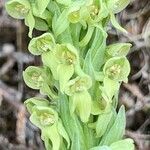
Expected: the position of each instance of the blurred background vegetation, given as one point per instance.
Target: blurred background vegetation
(17, 133)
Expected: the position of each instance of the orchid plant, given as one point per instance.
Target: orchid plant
(80, 76)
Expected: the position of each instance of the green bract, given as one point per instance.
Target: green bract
(118, 49)
(80, 75)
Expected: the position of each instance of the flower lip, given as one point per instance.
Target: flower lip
(47, 119)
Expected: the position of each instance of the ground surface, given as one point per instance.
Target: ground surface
(17, 133)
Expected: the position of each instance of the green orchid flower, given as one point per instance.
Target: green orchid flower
(79, 97)
(63, 62)
(117, 68)
(51, 126)
(21, 9)
(39, 78)
(83, 11)
(42, 44)
(18, 9)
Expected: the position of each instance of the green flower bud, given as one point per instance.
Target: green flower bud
(18, 8)
(42, 44)
(117, 68)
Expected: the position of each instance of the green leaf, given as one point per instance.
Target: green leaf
(117, 5)
(87, 37)
(116, 24)
(127, 144)
(41, 5)
(71, 124)
(61, 23)
(40, 24)
(117, 130)
(88, 66)
(98, 57)
(18, 9)
(42, 44)
(63, 133)
(102, 123)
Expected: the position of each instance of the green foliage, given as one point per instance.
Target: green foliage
(80, 75)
